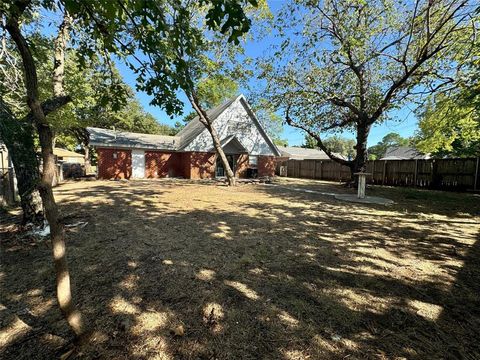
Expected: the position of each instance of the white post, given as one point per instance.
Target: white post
(361, 186)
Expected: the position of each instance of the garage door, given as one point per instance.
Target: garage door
(138, 164)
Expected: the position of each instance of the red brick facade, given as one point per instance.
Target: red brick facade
(114, 163)
(266, 166)
(160, 164)
(241, 165)
(199, 165)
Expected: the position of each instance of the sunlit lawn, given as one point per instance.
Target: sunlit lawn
(253, 272)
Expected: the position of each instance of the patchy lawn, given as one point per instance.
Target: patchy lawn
(253, 272)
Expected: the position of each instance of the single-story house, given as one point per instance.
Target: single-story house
(299, 153)
(189, 154)
(403, 153)
(68, 156)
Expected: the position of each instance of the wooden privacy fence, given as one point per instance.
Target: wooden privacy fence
(444, 174)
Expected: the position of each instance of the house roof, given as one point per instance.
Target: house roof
(113, 138)
(299, 153)
(403, 153)
(231, 145)
(66, 153)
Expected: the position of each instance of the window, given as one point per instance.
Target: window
(253, 160)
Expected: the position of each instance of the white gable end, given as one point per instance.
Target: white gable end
(234, 121)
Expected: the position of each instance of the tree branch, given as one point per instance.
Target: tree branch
(322, 146)
(50, 105)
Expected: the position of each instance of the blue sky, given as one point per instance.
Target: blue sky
(405, 121)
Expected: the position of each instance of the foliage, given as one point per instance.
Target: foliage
(345, 65)
(449, 124)
(310, 142)
(213, 91)
(163, 42)
(269, 119)
(391, 139)
(100, 96)
(446, 128)
(341, 145)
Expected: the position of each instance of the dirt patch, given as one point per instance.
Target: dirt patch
(181, 270)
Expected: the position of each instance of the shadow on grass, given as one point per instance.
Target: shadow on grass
(268, 280)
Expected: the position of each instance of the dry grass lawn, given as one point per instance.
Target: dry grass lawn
(253, 272)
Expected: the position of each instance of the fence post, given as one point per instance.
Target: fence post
(384, 171)
(321, 170)
(415, 173)
(434, 174)
(475, 184)
(373, 171)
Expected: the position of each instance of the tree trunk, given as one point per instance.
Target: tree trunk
(38, 114)
(360, 161)
(57, 232)
(18, 138)
(86, 158)
(205, 120)
(218, 148)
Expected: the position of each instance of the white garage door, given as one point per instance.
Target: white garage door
(138, 164)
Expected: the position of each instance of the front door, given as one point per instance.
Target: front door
(138, 164)
(220, 168)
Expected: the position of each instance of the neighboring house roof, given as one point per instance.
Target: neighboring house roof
(299, 153)
(403, 153)
(66, 153)
(235, 122)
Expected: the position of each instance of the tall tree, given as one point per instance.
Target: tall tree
(38, 113)
(152, 28)
(449, 124)
(350, 63)
(449, 127)
(17, 133)
(391, 139)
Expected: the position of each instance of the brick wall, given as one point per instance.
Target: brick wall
(266, 165)
(241, 165)
(110, 167)
(202, 165)
(190, 165)
(160, 164)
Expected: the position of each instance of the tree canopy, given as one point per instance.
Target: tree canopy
(345, 65)
(449, 123)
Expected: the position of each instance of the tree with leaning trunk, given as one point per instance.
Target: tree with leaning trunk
(17, 133)
(38, 115)
(345, 65)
